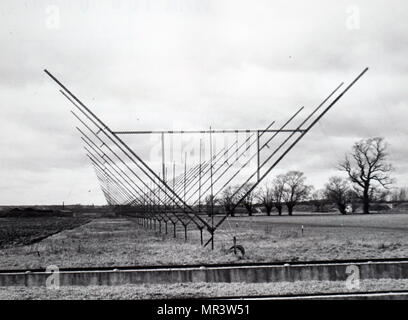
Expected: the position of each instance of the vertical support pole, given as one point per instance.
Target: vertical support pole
(174, 180)
(199, 181)
(184, 187)
(151, 205)
(174, 207)
(164, 202)
(185, 176)
(157, 201)
(147, 201)
(212, 192)
(258, 156)
(171, 148)
(158, 207)
(163, 158)
(199, 190)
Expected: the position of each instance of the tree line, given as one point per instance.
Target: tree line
(367, 178)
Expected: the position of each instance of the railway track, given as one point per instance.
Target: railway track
(213, 273)
(214, 265)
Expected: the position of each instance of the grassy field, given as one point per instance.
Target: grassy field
(110, 242)
(121, 241)
(197, 290)
(24, 231)
(373, 221)
(103, 242)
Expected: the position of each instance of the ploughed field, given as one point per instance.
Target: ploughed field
(23, 231)
(122, 242)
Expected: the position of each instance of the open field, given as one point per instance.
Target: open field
(103, 242)
(121, 242)
(110, 242)
(197, 290)
(324, 237)
(24, 231)
(383, 221)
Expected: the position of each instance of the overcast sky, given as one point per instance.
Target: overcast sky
(191, 64)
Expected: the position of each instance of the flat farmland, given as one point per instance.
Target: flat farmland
(372, 221)
(322, 237)
(23, 231)
(122, 242)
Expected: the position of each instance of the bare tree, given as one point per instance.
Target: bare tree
(229, 199)
(210, 202)
(381, 195)
(278, 189)
(339, 191)
(399, 194)
(265, 196)
(318, 199)
(295, 189)
(248, 201)
(368, 169)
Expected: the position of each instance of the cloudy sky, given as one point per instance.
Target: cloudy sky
(191, 64)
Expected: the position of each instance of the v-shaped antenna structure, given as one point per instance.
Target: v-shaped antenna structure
(157, 195)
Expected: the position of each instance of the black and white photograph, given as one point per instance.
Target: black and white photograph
(223, 151)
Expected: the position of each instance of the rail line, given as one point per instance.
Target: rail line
(215, 265)
(214, 273)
